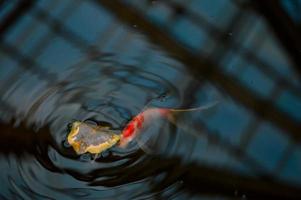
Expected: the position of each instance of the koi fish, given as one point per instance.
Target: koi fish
(146, 117)
(140, 122)
(84, 137)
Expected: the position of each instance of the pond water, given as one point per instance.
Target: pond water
(63, 62)
(107, 92)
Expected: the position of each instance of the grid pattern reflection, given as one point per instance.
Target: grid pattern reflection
(226, 44)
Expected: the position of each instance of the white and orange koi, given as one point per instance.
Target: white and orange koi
(146, 117)
(140, 122)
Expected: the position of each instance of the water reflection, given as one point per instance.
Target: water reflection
(57, 66)
(45, 166)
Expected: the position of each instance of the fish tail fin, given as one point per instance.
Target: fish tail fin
(200, 108)
(173, 114)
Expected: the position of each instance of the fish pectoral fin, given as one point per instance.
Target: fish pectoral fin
(95, 157)
(144, 147)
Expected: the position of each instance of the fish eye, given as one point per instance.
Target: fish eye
(69, 126)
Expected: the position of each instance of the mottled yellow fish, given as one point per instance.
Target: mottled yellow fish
(84, 138)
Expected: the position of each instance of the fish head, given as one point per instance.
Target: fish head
(86, 138)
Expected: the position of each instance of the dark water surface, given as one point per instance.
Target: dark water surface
(103, 91)
(62, 61)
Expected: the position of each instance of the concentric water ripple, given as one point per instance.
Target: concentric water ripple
(106, 92)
